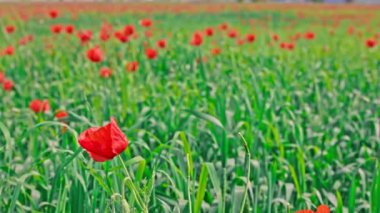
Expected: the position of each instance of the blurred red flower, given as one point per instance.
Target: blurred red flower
(8, 85)
(197, 39)
(232, 34)
(39, 106)
(250, 38)
(95, 54)
(309, 35)
(53, 14)
(69, 29)
(57, 28)
(105, 72)
(2, 77)
(370, 43)
(9, 50)
(132, 66)
(161, 43)
(146, 22)
(320, 209)
(209, 31)
(216, 51)
(84, 36)
(10, 29)
(275, 37)
(151, 53)
(129, 30)
(61, 115)
(223, 26)
(103, 143)
(119, 35)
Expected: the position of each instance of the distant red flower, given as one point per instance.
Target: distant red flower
(275, 37)
(148, 33)
(39, 106)
(61, 115)
(105, 72)
(9, 50)
(84, 36)
(309, 35)
(197, 39)
(209, 31)
(24, 40)
(69, 29)
(119, 35)
(151, 53)
(240, 42)
(103, 143)
(2, 77)
(146, 22)
(370, 43)
(290, 46)
(232, 34)
(161, 43)
(8, 85)
(104, 35)
(10, 29)
(95, 54)
(223, 26)
(250, 38)
(53, 14)
(283, 45)
(57, 28)
(132, 66)
(216, 51)
(129, 30)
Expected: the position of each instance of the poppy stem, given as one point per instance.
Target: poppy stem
(133, 187)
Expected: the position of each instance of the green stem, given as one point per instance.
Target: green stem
(132, 185)
(248, 169)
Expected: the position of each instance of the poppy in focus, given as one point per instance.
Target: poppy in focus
(103, 143)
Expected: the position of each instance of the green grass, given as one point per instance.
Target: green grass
(255, 129)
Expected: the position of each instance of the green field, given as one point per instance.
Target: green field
(256, 128)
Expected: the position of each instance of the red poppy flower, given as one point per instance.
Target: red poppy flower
(146, 22)
(95, 54)
(209, 31)
(2, 77)
(7, 85)
(323, 209)
(275, 37)
(84, 36)
(123, 38)
(103, 143)
(151, 53)
(39, 106)
(9, 50)
(104, 35)
(197, 39)
(309, 35)
(232, 34)
(320, 209)
(10, 29)
(223, 26)
(105, 72)
(250, 38)
(56, 28)
(161, 43)
(290, 46)
(216, 51)
(26, 39)
(283, 45)
(148, 33)
(132, 66)
(129, 30)
(370, 43)
(61, 115)
(53, 14)
(69, 29)
(239, 42)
